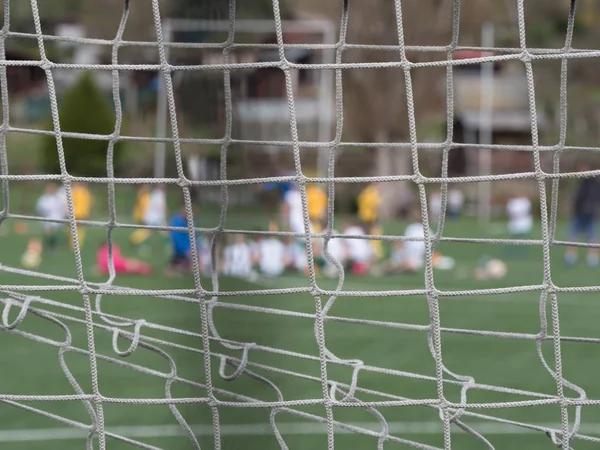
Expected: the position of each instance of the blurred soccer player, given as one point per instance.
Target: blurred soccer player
(272, 255)
(143, 198)
(82, 204)
(293, 219)
(292, 212)
(359, 250)
(237, 258)
(520, 220)
(317, 205)
(435, 206)
(155, 213)
(51, 207)
(456, 201)
(369, 202)
(337, 250)
(584, 214)
(122, 265)
(409, 256)
(181, 244)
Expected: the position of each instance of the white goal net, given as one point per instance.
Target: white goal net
(226, 364)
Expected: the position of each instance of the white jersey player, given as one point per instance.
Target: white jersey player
(435, 206)
(51, 207)
(237, 259)
(413, 252)
(359, 250)
(520, 220)
(409, 256)
(337, 249)
(156, 210)
(292, 210)
(272, 257)
(456, 200)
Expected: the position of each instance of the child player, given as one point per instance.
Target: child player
(520, 220)
(369, 203)
(82, 204)
(51, 207)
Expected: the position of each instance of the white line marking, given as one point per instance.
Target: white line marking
(264, 429)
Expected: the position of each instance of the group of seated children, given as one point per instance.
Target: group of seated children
(355, 252)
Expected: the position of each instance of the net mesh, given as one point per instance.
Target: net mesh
(334, 394)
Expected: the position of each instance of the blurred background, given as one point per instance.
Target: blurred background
(374, 101)
(362, 109)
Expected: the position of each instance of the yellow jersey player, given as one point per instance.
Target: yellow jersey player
(369, 201)
(317, 205)
(82, 205)
(140, 235)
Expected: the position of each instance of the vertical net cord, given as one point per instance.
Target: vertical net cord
(549, 289)
(184, 183)
(216, 237)
(4, 211)
(21, 300)
(98, 419)
(449, 117)
(334, 148)
(301, 181)
(110, 169)
(432, 294)
(554, 202)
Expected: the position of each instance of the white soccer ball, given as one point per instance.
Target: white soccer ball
(496, 268)
(31, 260)
(253, 277)
(445, 263)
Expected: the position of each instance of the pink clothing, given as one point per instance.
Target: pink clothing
(119, 262)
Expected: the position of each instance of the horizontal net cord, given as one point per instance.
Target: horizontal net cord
(309, 46)
(152, 340)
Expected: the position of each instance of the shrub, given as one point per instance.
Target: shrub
(83, 109)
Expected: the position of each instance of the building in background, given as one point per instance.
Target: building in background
(511, 117)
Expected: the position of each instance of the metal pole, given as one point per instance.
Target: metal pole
(162, 112)
(486, 126)
(325, 99)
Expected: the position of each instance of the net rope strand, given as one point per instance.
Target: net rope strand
(19, 302)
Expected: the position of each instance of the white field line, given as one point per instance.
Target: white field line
(264, 429)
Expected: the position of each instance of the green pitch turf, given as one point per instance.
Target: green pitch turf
(34, 368)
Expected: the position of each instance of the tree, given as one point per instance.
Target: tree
(376, 101)
(375, 105)
(83, 109)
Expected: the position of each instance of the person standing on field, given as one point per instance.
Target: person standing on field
(140, 235)
(584, 214)
(51, 207)
(83, 201)
(520, 223)
(369, 202)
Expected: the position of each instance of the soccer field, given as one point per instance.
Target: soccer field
(31, 367)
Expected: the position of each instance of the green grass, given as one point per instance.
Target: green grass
(34, 368)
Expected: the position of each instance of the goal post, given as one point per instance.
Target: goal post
(321, 105)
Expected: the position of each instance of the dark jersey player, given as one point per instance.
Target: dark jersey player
(584, 217)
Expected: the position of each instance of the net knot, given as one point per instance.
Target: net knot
(46, 65)
(6, 325)
(135, 340)
(183, 182)
(348, 396)
(241, 366)
(526, 57)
